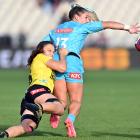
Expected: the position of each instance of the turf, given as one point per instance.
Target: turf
(110, 110)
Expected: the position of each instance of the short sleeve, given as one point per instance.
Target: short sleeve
(91, 27)
(43, 58)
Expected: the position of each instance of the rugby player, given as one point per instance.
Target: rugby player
(71, 35)
(39, 98)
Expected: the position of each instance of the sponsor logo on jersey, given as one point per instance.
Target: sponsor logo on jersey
(37, 91)
(75, 75)
(65, 30)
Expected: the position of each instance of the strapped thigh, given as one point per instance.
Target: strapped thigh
(52, 100)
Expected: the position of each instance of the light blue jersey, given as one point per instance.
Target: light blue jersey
(72, 35)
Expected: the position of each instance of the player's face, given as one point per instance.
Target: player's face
(84, 17)
(48, 50)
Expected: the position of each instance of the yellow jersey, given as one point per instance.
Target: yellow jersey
(40, 74)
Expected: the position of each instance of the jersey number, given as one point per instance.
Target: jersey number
(63, 42)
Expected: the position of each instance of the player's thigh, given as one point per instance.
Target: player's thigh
(75, 91)
(43, 98)
(60, 90)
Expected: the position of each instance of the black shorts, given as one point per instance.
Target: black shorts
(32, 93)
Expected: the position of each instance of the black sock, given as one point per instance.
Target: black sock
(4, 134)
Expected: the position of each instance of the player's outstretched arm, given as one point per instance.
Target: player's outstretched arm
(132, 29)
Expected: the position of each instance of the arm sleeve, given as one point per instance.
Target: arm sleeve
(91, 27)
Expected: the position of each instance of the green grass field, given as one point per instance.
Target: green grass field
(110, 111)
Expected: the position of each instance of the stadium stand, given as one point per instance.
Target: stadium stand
(18, 16)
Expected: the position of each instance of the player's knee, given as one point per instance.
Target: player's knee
(64, 103)
(59, 109)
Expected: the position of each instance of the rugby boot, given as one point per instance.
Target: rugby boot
(54, 120)
(70, 128)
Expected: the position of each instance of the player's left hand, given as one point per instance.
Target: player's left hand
(134, 29)
(63, 51)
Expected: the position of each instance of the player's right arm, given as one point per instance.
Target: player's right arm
(61, 64)
(133, 29)
(96, 26)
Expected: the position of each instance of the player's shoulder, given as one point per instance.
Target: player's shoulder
(92, 23)
(41, 56)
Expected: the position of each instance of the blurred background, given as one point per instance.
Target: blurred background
(23, 23)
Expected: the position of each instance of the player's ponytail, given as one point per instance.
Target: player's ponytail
(37, 50)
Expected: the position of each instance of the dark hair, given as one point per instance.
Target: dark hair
(76, 11)
(39, 49)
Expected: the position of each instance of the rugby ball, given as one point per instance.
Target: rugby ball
(137, 44)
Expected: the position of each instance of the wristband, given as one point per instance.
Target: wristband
(126, 27)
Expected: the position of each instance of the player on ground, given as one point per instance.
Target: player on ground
(71, 35)
(38, 98)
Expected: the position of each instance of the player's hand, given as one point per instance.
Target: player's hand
(134, 29)
(63, 52)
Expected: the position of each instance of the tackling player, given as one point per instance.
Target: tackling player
(38, 98)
